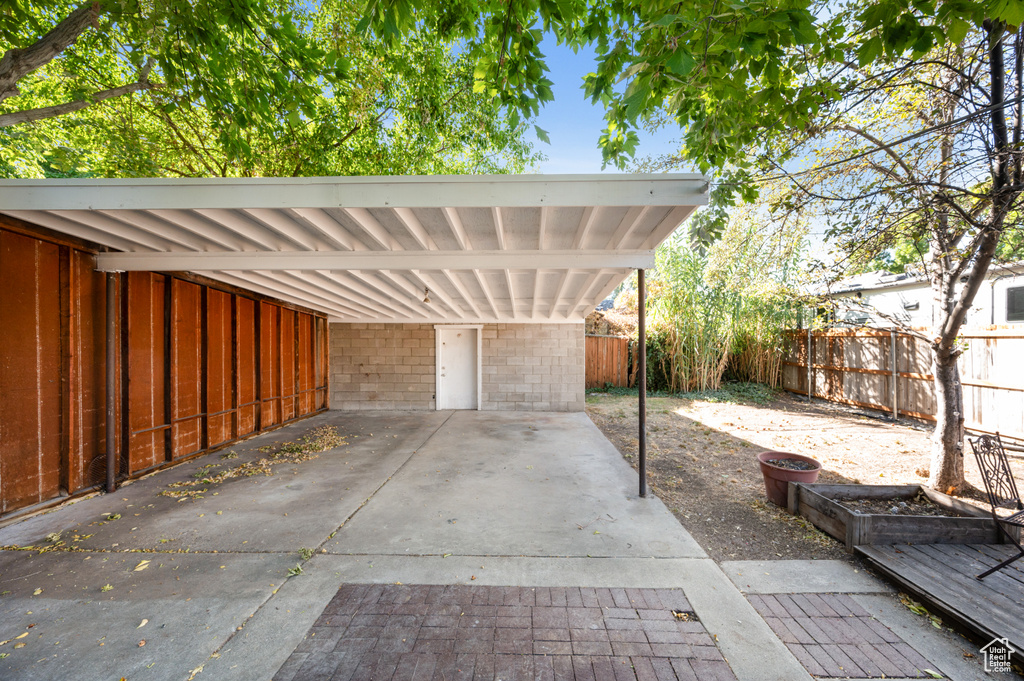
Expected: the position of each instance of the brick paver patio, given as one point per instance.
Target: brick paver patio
(832, 636)
(459, 632)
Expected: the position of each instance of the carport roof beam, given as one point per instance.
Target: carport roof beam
(276, 261)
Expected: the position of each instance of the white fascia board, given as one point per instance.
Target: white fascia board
(468, 322)
(372, 260)
(423, 191)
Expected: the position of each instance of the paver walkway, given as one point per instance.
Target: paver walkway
(477, 632)
(833, 636)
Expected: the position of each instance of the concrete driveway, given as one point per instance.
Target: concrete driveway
(151, 587)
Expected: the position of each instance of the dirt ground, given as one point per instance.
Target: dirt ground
(702, 463)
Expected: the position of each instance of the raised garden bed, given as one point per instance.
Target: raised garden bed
(891, 514)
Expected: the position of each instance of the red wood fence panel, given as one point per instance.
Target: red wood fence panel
(247, 347)
(186, 369)
(220, 392)
(607, 359)
(85, 388)
(30, 371)
(148, 421)
(198, 367)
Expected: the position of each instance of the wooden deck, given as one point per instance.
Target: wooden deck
(941, 577)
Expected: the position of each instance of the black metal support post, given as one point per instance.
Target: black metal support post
(641, 303)
(111, 397)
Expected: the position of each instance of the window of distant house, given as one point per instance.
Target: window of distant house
(1015, 304)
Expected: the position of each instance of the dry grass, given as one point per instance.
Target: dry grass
(702, 464)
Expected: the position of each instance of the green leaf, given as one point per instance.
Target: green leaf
(869, 51)
(1012, 12)
(542, 134)
(957, 30)
(681, 62)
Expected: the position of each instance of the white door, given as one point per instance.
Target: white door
(456, 368)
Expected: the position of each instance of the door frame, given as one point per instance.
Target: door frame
(479, 361)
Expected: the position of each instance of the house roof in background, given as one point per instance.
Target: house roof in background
(878, 281)
(522, 248)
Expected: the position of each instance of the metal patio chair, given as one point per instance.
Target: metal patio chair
(1001, 490)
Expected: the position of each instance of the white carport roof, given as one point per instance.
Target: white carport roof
(522, 248)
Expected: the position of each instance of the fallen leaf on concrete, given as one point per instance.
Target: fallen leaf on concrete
(142, 643)
(141, 566)
(37, 592)
(21, 636)
(142, 624)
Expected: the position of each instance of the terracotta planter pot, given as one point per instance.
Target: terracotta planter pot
(777, 479)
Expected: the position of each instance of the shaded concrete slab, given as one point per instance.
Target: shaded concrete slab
(78, 630)
(801, 576)
(298, 506)
(507, 484)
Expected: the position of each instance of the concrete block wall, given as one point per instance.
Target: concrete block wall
(382, 366)
(524, 367)
(533, 367)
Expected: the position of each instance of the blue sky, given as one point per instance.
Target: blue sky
(574, 124)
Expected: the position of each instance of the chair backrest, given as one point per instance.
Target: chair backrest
(995, 472)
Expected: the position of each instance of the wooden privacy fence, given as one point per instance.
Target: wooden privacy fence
(607, 361)
(198, 365)
(891, 371)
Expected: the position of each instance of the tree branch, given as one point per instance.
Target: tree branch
(31, 115)
(882, 146)
(19, 62)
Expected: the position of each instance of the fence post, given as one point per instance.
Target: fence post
(810, 363)
(895, 377)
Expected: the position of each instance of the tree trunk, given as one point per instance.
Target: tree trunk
(947, 466)
(18, 62)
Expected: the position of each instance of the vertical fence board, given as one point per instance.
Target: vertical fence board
(323, 370)
(87, 377)
(186, 352)
(306, 362)
(286, 363)
(147, 381)
(30, 371)
(219, 370)
(248, 399)
(270, 365)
